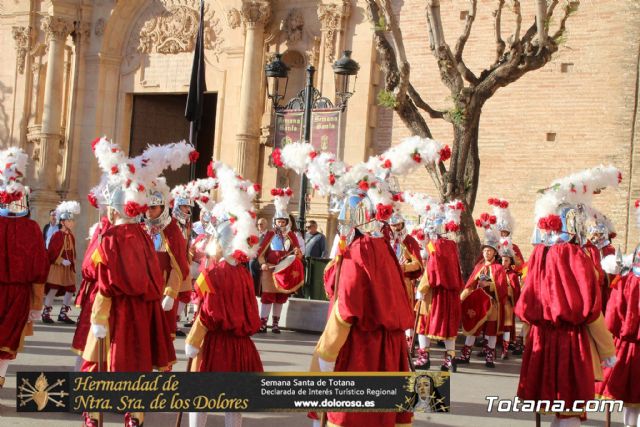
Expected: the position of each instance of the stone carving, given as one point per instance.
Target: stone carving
(331, 16)
(175, 29)
(255, 12)
(99, 29)
(22, 37)
(233, 18)
(313, 54)
(82, 32)
(293, 25)
(56, 28)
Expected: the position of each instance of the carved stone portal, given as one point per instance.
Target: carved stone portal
(332, 16)
(22, 37)
(175, 31)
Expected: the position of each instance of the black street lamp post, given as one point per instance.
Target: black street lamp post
(277, 73)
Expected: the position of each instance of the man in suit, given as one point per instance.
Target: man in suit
(51, 227)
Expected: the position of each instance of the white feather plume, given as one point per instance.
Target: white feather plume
(13, 165)
(68, 206)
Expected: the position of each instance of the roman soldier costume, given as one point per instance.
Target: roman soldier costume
(170, 248)
(127, 316)
(88, 289)
(484, 296)
(623, 320)
(567, 340)
(440, 286)
(505, 225)
(220, 339)
(508, 256)
(62, 256)
(369, 309)
(24, 264)
(600, 232)
(278, 244)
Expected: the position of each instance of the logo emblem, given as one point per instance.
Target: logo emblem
(41, 393)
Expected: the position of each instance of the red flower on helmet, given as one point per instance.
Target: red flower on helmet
(416, 157)
(204, 199)
(193, 156)
(210, 172)
(277, 192)
(93, 200)
(363, 185)
(94, 143)
(460, 206)
(419, 234)
(132, 209)
(233, 219)
(550, 223)
(132, 168)
(637, 203)
(313, 154)
(128, 183)
(252, 214)
(383, 212)
(276, 157)
(478, 223)
(387, 164)
(332, 179)
(253, 240)
(114, 170)
(445, 153)
(257, 188)
(240, 256)
(452, 227)
(140, 188)
(288, 192)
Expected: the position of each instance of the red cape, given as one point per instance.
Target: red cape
(443, 265)
(23, 256)
(56, 245)
(177, 245)
(129, 265)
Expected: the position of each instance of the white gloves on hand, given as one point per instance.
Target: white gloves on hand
(66, 262)
(191, 351)
(99, 331)
(609, 362)
(34, 315)
(326, 366)
(167, 303)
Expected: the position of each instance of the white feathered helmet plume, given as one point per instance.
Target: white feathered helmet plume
(452, 215)
(281, 197)
(200, 191)
(365, 185)
(233, 218)
(504, 219)
(13, 194)
(560, 211)
(67, 210)
(128, 180)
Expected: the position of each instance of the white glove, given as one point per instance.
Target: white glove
(99, 331)
(34, 315)
(609, 362)
(191, 351)
(326, 366)
(66, 262)
(167, 303)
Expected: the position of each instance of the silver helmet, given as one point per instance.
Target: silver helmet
(178, 214)
(357, 212)
(17, 208)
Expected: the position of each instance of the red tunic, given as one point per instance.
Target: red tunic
(273, 257)
(623, 320)
(230, 314)
(371, 296)
(608, 278)
(88, 290)
(513, 279)
(62, 246)
(492, 327)
(130, 275)
(23, 262)
(519, 259)
(559, 298)
(412, 246)
(445, 282)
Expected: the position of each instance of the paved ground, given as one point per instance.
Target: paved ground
(48, 350)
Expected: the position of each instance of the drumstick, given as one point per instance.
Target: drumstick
(179, 416)
(100, 362)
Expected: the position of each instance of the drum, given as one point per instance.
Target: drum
(475, 310)
(288, 275)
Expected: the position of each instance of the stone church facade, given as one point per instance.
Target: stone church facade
(73, 70)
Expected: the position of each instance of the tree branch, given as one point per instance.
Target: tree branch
(449, 72)
(462, 40)
(518, 12)
(569, 9)
(541, 22)
(420, 103)
(497, 14)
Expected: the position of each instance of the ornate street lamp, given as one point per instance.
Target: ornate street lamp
(277, 73)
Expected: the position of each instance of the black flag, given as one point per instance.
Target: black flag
(197, 87)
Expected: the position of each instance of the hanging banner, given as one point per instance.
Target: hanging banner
(288, 127)
(325, 128)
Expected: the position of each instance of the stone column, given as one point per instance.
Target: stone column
(255, 15)
(49, 139)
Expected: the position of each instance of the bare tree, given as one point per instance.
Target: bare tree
(520, 54)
